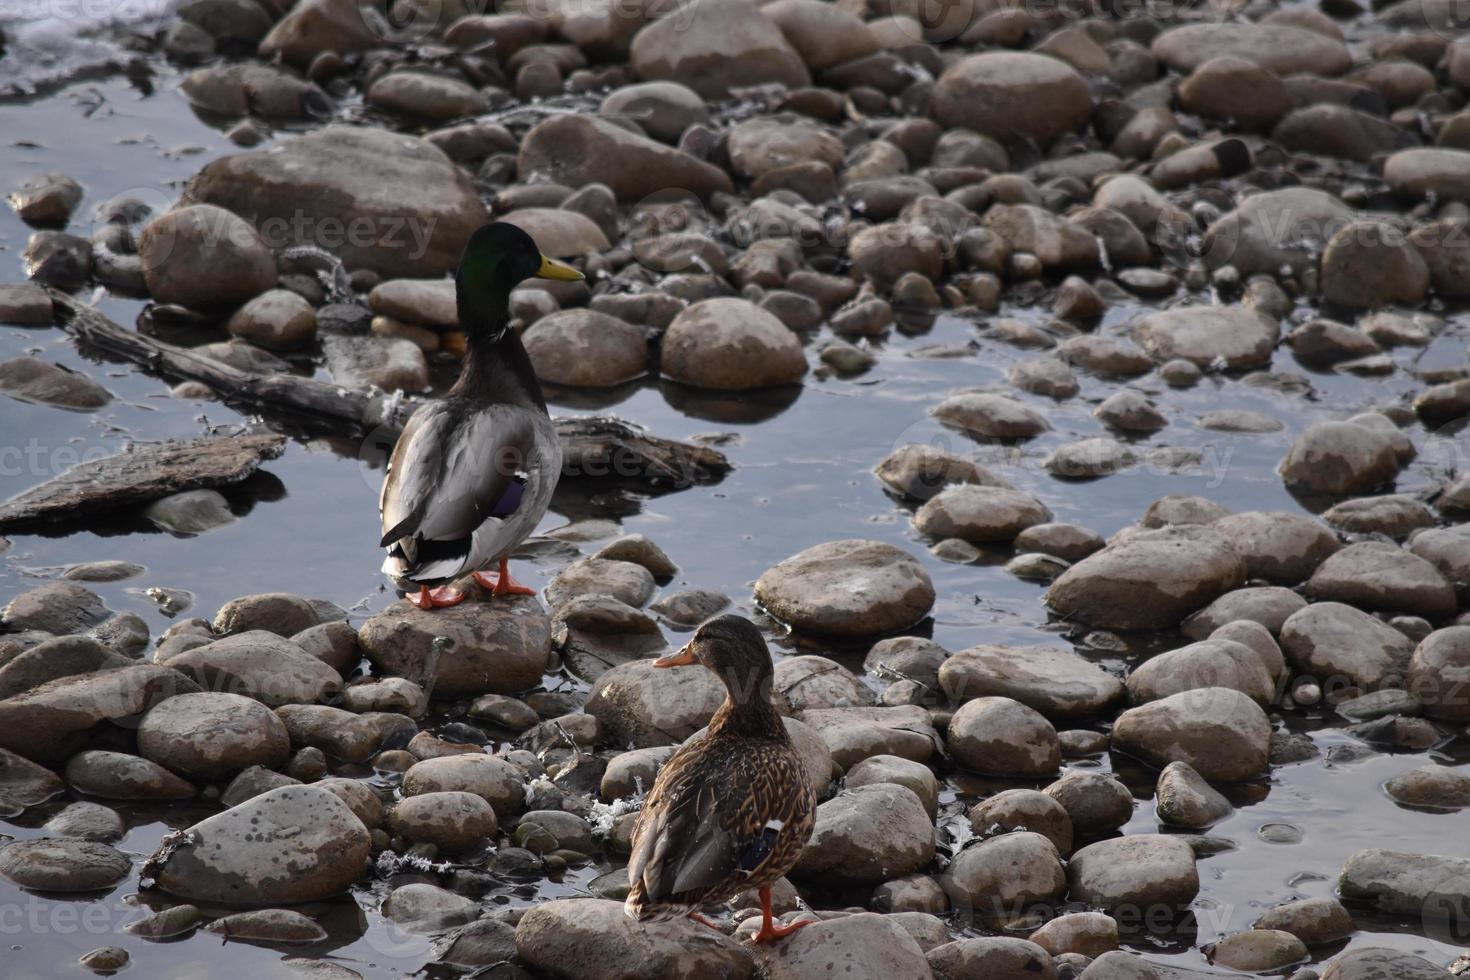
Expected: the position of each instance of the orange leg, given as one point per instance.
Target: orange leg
(769, 930)
(504, 584)
(705, 922)
(427, 598)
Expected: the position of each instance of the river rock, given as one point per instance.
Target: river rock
(259, 665)
(1279, 48)
(1430, 787)
(663, 109)
(204, 257)
(1003, 737)
(1235, 90)
(855, 734)
(1279, 547)
(1208, 663)
(868, 835)
(268, 926)
(1149, 580)
(586, 349)
(276, 320)
(24, 784)
(118, 776)
(340, 734)
(289, 845)
(87, 821)
(312, 27)
(991, 416)
(1186, 800)
(1001, 879)
(730, 344)
(1258, 950)
(817, 682)
(1275, 229)
(851, 588)
(980, 514)
(1014, 97)
(497, 781)
(1141, 871)
(206, 736)
(1380, 575)
(451, 821)
(1315, 921)
(1372, 962)
(1429, 172)
(1025, 810)
(1340, 458)
(1439, 674)
(60, 656)
(893, 769)
(1212, 337)
(1270, 606)
(425, 96)
(63, 864)
(1221, 733)
(387, 201)
(559, 232)
(642, 706)
(592, 939)
(1369, 264)
(57, 607)
(499, 647)
(424, 908)
(50, 722)
(1097, 803)
(33, 380)
(863, 946)
(576, 150)
(767, 143)
(1056, 682)
(735, 46)
(1338, 644)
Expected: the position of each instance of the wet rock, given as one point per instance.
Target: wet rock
(118, 776)
(730, 344)
(251, 782)
(575, 150)
(61, 656)
(105, 959)
(991, 416)
(849, 588)
(884, 254)
(421, 208)
(57, 607)
(497, 781)
(1055, 242)
(1024, 810)
(204, 257)
(1206, 664)
(63, 864)
(891, 769)
(499, 647)
(628, 583)
(484, 942)
(1439, 674)
(734, 47)
(1275, 229)
(1090, 934)
(1269, 605)
(690, 607)
(642, 706)
(1423, 172)
(259, 665)
(1368, 963)
(1328, 342)
(586, 349)
(1258, 950)
(425, 908)
(1279, 48)
(1235, 90)
(34, 380)
(1315, 921)
(206, 736)
(906, 658)
(866, 835)
(556, 937)
(340, 734)
(24, 784)
(1130, 412)
(663, 109)
(1139, 871)
(1150, 580)
(293, 844)
(1089, 459)
(1394, 515)
(435, 98)
(1003, 737)
(46, 199)
(24, 303)
(1097, 803)
(1044, 376)
(268, 925)
(1379, 575)
(855, 734)
(451, 821)
(817, 682)
(1014, 97)
(191, 512)
(863, 946)
(1340, 458)
(1213, 337)
(559, 232)
(980, 514)
(1058, 683)
(1186, 800)
(50, 722)
(316, 26)
(276, 320)
(1221, 733)
(995, 957)
(1369, 264)
(1430, 787)
(58, 259)
(1001, 878)
(639, 550)
(1278, 546)
(761, 145)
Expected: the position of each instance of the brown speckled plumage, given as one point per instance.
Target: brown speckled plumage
(731, 810)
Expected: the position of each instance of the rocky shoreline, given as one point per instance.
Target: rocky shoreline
(761, 196)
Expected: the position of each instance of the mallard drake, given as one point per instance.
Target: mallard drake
(472, 473)
(731, 810)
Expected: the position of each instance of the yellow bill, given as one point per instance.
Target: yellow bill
(680, 657)
(560, 271)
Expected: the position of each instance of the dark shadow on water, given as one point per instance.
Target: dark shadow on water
(730, 407)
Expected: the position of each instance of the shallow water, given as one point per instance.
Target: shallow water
(307, 524)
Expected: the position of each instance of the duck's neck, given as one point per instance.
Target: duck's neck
(496, 365)
(748, 714)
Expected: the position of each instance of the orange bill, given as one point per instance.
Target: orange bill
(679, 658)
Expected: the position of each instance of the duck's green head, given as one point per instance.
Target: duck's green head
(499, 257)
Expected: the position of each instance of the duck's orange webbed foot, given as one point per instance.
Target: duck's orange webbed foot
(427, 598)
(502, 584)
(770, 932)
(705, 922)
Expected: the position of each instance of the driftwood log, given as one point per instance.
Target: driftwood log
(594, 447)
(139, 475)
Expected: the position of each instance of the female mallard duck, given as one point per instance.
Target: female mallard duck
(472, 474)
(732, 809)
